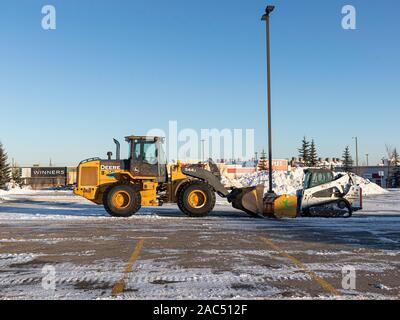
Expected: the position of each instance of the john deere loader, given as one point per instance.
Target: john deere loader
(145, 179)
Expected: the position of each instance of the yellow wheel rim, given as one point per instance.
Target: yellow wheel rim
(197, 199)
(121, 199)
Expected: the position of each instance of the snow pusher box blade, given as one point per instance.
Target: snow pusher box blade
(252, 201)
(249, 199)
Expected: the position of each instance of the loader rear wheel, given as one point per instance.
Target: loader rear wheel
(196, 199)
(122, 200)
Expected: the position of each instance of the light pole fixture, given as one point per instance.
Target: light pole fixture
(265, 18)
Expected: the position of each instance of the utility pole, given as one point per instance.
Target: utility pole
(356, 138)
(367, 155)
(265, 18)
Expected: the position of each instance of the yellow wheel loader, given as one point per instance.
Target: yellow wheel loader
(145, 179)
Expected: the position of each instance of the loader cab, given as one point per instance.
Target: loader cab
(316, 177)
(147, 157)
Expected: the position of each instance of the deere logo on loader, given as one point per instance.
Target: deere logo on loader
(106, 167)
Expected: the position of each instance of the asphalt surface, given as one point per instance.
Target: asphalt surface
(62, 248)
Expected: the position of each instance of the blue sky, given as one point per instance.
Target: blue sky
(112, 68)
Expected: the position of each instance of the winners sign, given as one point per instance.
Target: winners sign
(50, 172)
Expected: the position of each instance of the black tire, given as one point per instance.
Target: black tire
(203, 192)
(131, 199)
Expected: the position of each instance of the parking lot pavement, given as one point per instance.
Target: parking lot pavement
(54, 245)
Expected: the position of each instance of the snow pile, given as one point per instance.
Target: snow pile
(12, 189)
(283, 182)
(229, 183)
(369, 188)
(288, 182)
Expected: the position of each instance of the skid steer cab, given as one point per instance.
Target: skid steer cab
(145, 179)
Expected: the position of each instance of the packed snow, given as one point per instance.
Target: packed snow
(12, 189)
(369, 242)
(288, 182)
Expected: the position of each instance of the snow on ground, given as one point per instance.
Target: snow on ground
(13, 190)
(369, 242)
(288, 182)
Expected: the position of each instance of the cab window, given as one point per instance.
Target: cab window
(145, 151)
(318, 178)
(137, 151)
(149, 152)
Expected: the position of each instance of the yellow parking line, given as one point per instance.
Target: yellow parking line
(119, 287)
(327, 286)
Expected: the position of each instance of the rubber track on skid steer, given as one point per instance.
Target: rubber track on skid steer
(348, 206)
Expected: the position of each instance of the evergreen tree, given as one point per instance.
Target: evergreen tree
(347, 160)
(263, 162)
(395, 173)
(304, 151)
(16, 175)
(4, 168)
(313, 157)
(389, 151)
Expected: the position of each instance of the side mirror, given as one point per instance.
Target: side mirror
(109, 155)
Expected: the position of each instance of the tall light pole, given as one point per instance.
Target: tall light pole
(265, 18)
(356, 138)
(367, 155)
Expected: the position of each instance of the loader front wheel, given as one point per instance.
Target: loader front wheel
(121, 200)
(196, 199)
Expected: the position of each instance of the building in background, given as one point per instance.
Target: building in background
(48, 177)
(235, 171)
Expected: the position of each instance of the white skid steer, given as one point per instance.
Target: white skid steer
(326, 195)
(323, 195)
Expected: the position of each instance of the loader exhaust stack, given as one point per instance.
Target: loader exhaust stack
(118, 149)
